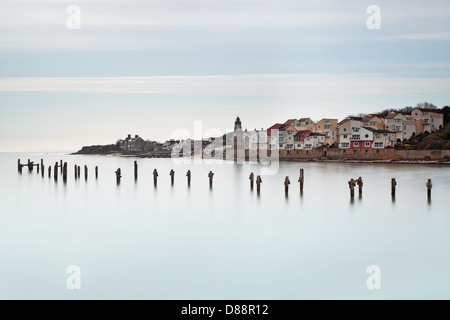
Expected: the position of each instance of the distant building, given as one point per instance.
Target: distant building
(427, 120)
(349, 130)
(401, 125)
(329, 128)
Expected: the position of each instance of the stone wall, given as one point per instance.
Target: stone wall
(365, 154)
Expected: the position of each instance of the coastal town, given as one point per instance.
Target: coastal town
(389, 129)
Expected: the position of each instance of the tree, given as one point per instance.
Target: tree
(426, 105)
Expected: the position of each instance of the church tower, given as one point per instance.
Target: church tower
(237, 124)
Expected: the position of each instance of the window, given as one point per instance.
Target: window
(319, 127)
(378, 145)
(345, 136)
(367, 144)
(345, 145)
(355, 137)
(345, 129)
(366, 136)
(356, 144)
(416, 114)
(299, 145)
(385, 135)
(327, 126)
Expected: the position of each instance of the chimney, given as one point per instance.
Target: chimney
(129, 136)
(136, 136)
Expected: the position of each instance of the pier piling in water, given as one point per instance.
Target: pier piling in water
(210, 176)
(393, 184)
(301, 179)
(19, 166)
(172, 176)
(286, 184)
(78, 172)
(85, 172)
(49, 171)
(135, 170)
(251, 178)
(188, 175)
(258, 183)
(42, 170)
(360, 185)
(42, 165)
(155, 176)
(118, 175)
(96, 172)
(65, 172)
(429, 185)
(55, 171)
(351, 185)
(61, 165)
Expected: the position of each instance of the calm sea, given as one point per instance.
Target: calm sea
(138, 241)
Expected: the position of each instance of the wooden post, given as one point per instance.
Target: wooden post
(286, 184)
(351, 185)
(155, 176)
(188, 175)
(19, 166)
(301, 179)
(30, 165)
(42, 164)
(49, 171)
(55, 172)
(118, 175)
(429, 186)
(37, 167)
(76, 171)
(360, 185)
(65, 172)
(251, 178)
(85, 172)
(96, 172)
(258, 183)
(42, 170)
(210, 176)
(172, 175)
(135, 170)
(61, 165)
(393, 184)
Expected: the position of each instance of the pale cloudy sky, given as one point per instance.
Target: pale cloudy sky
(151, 67)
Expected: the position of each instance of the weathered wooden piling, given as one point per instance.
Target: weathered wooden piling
(351, 185)
(85, 172)
(155, 176)
(118, 175)
(61, 165)
(301, 179)
(429, 185)
(78, 172)
(286, 184)
(96, 172)
(258, 183)
(55, 171)
(42, 170)
(135, 170)
(65, 172)
(360, 185)
(49, 171)
(188, 175)
(19, 166)
(30, 165)
(172, 175)
(42, 165)
(393, 184)
(251, 178)
(210, 176)
(37, 168)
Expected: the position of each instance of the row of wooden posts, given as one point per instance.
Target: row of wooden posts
(77, 169)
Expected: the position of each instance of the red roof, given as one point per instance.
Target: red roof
(276, 126)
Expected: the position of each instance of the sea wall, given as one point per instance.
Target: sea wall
(366, 154)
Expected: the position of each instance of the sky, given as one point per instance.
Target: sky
(157, 66)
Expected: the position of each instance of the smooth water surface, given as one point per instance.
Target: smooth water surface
(138, 241)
